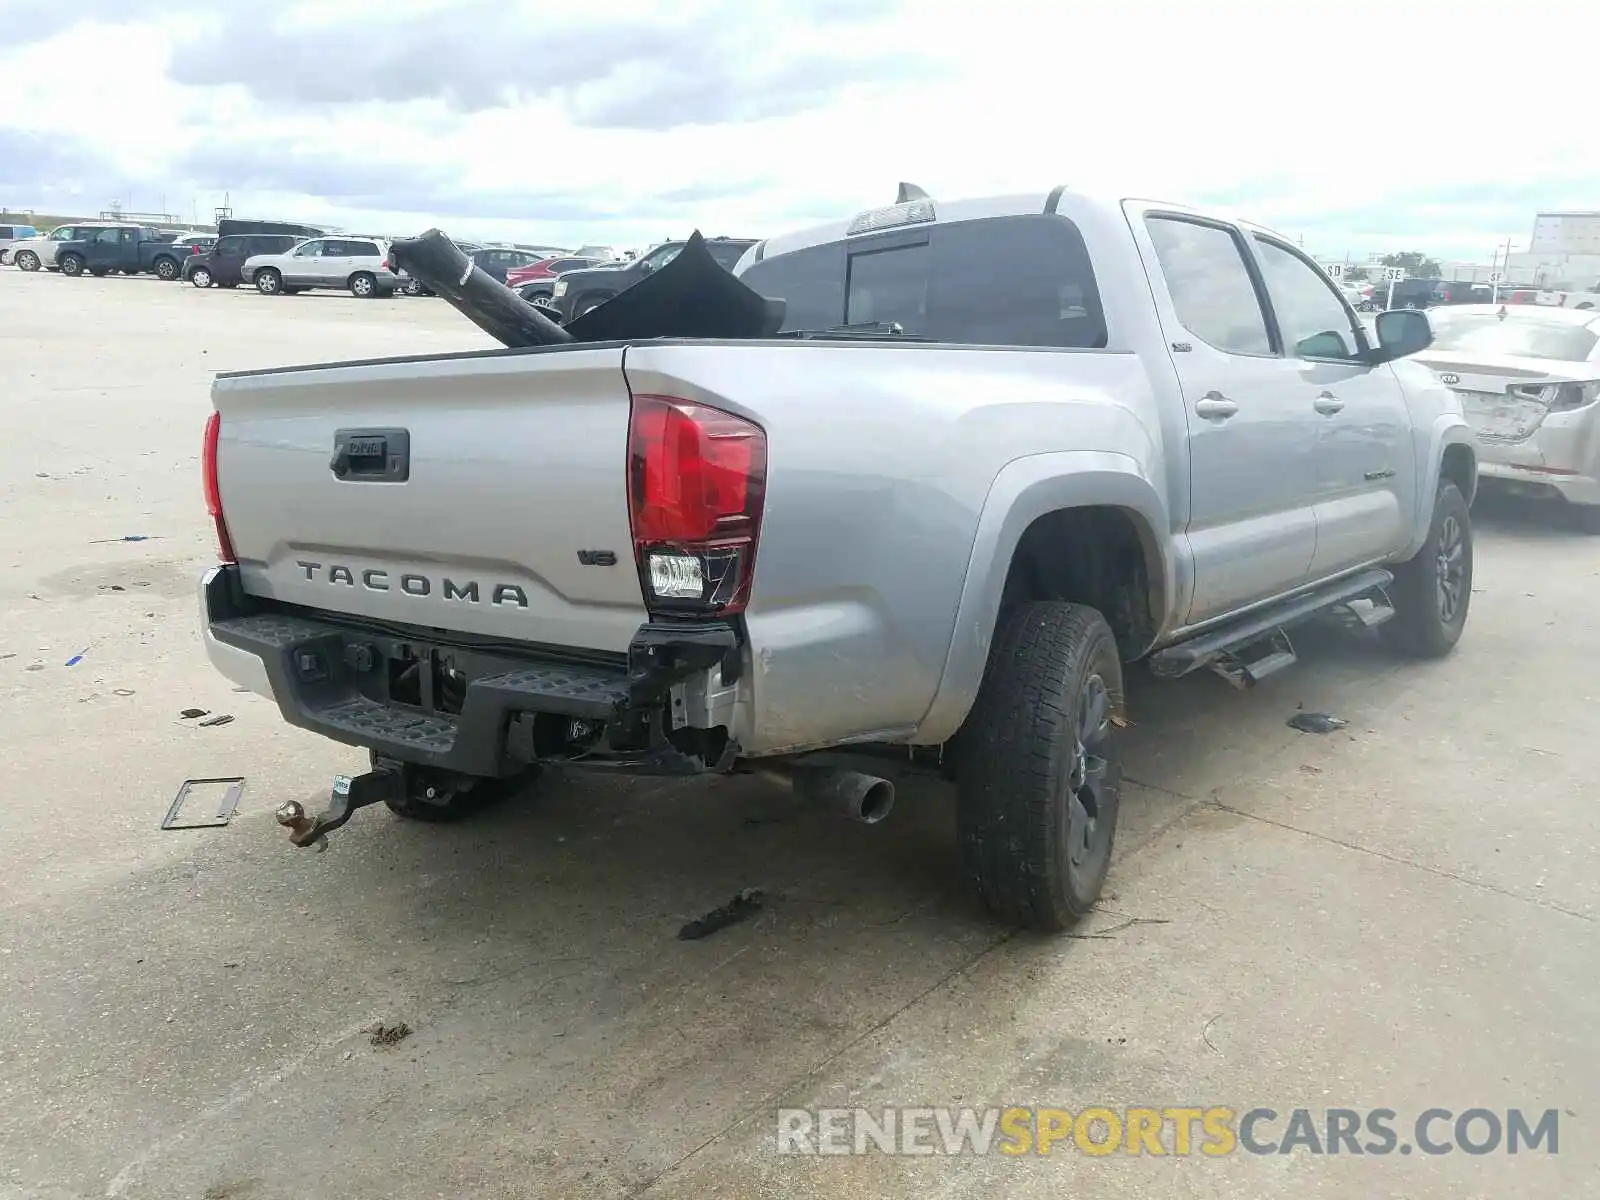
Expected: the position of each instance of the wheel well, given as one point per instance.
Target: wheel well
(1460, 467)
(1103, 557)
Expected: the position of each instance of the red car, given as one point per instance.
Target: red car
(540, 278)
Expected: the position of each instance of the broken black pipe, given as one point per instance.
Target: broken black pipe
(693, 296)
(437, 263)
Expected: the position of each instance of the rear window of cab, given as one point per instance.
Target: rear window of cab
(999, 281)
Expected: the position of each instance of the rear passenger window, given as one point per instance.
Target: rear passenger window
(358, 249)
(1211, 288)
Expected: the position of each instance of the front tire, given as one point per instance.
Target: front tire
(200, 277)
(27, 260)
(363, 286)
(1432, 590)
(71, 264)
(1039, 774)
(268, 282)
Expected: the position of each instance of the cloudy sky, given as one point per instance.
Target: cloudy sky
(1358, 126)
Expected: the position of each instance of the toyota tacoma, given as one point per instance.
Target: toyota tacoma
(997, 451)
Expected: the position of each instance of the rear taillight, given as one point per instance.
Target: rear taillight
(1575, 395)
(208, 471)
(697, 480)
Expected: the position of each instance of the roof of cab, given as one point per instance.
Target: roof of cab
(1016, 204)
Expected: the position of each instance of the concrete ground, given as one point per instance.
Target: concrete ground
(1399, 915)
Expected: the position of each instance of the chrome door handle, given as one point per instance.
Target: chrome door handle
(1327, 404)
(1214, 406)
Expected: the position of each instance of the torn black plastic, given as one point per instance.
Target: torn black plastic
(693, 296)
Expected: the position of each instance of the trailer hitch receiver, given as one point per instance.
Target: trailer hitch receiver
(349, 794)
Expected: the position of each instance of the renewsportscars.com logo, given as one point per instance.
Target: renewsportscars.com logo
(1211, 1132)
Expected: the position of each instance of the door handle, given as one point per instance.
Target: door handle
(1327, 404)
(1214, 406)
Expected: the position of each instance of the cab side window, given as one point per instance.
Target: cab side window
(1313, 316)
(1211, 287)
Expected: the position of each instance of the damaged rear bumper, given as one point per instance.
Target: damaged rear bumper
(415, 696)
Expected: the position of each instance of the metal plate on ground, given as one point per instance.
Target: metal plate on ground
(226, 790)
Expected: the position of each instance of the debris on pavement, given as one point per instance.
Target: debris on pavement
(1315, 722)
(122, 691)
(389, 1035)
(219, 719)
(78, 657)
(189, 714)
(227, 805)
(741, 908)
(128, 537)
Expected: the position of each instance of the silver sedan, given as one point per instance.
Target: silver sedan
(1529, 382)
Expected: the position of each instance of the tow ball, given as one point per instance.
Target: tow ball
(349, 794)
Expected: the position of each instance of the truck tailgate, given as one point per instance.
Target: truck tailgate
(511, 520)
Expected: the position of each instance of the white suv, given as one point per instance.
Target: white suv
(358, 265)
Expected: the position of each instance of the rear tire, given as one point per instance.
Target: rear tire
(1039, 771)
(71, 264)
(268, 282)
(27, 260)
(1432, 590)
(166, 269)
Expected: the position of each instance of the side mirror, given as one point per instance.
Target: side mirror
(1400, 333)
(646, 266)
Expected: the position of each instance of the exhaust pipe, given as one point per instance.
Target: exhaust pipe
(865, 798)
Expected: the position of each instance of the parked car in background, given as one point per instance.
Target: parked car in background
(130, 249)
(536, 282)
(1458, 291)
(10, 235)
(223, 264)
(603, 253)
(169, 264)
(39, 253)
(354, 264)
(576, 292)
(1529, 382)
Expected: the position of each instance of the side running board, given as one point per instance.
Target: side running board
(1248, 650)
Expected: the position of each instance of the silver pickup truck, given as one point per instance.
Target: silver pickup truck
(1000, 449)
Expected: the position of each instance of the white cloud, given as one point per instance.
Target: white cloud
(1362, 125)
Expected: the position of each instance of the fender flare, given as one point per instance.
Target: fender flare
(1448, 430)
(1026, 489)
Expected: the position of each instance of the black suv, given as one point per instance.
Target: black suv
(223, 264)
(576, 292)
